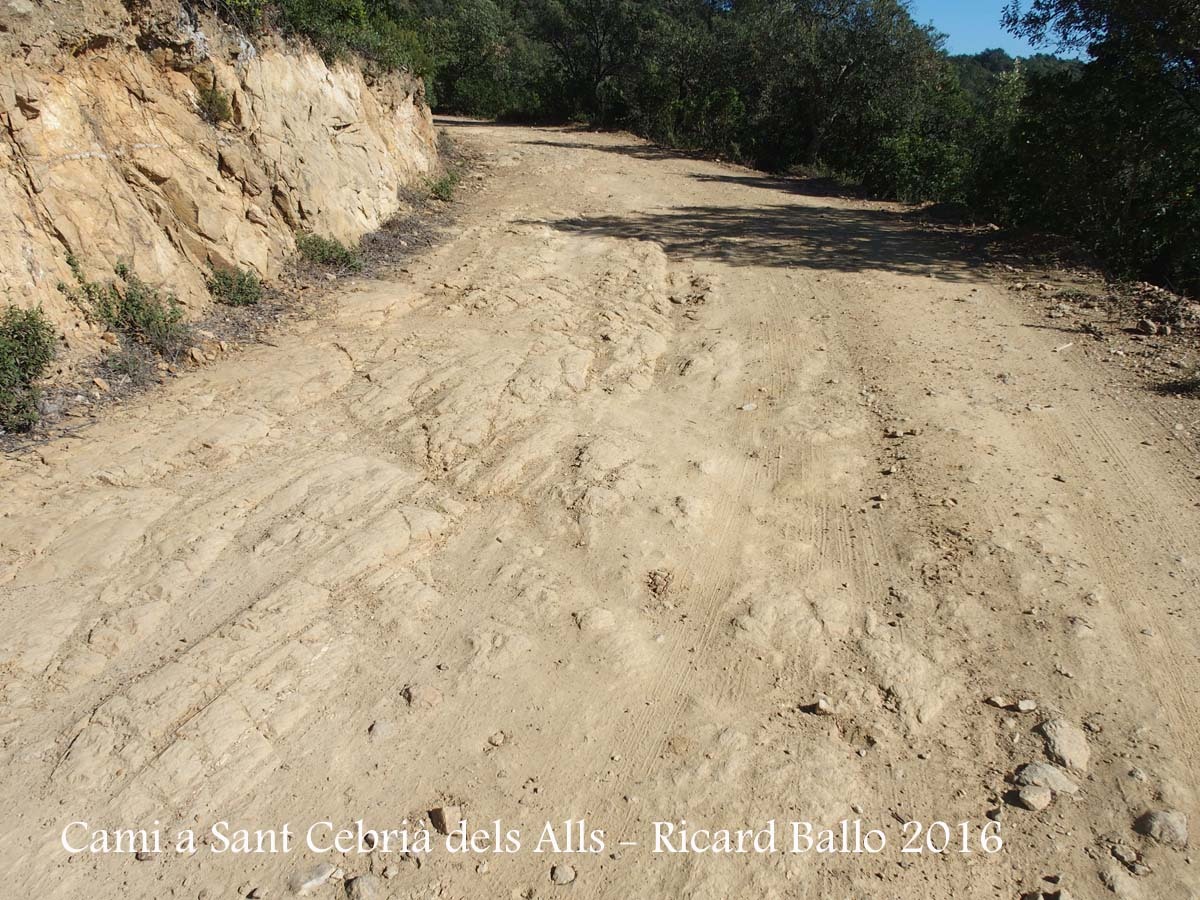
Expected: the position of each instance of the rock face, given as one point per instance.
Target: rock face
(104, 155)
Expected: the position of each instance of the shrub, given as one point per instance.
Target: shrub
(214, 105)
(443, 188)
(26, 349)
(247, 13)
(327, 252)
(338, 27)
(235, 287)
(139, 310)
(132, 363)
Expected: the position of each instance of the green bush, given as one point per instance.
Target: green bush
(138, 310)
(26, 349)
(247, 13)
(214, 105)
(366, 27)
(443, 188)
(387, 32)
(1109, 157)
(484, 64)
(235, 287)
(328, 253)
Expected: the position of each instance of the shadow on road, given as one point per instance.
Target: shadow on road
(823, 238)
(1183, 387)
(804, 186)
(637, 151)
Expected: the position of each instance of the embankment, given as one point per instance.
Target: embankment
(111, 150)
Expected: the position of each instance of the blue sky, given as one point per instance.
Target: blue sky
(972, 25)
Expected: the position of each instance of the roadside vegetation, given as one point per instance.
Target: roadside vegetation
(443, 187)
(27, 344)
(328, 253)
(235, 287)
(133, 308)
(1102, 146)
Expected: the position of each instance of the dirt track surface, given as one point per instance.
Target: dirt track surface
(576, 520)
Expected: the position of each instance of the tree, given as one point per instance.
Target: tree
(485, 64)
(1160, 37)
(594, 42)
(1112, 153)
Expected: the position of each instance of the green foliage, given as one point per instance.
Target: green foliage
(26, 342)
(328, 253)
(26, 349)
(132, 308)
(1109, 153)
(979, 73)
(235, 287)
(378, 30)
(385, 32)
(442, 188)
(246, 13)
(214, 105)
(485, 64)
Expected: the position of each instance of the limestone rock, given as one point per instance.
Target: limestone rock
(307, 881)
(446, 818)
(1166, 826)
(1066, 744)
(421, 696)
(1045, 775)
(364, 887)
(1034, 797)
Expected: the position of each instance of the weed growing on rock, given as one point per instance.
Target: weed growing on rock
(26, 349)
(214, 105)
(131, 364)
(247, 13)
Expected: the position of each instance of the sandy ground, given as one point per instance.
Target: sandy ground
(658, 493)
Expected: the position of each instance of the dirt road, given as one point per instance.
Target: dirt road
(661, 492)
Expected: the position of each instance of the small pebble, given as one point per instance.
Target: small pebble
(446, 818)
(1034, 798)
(364, 887)
(308, 880)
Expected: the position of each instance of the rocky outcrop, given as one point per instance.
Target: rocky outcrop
(104, 155)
